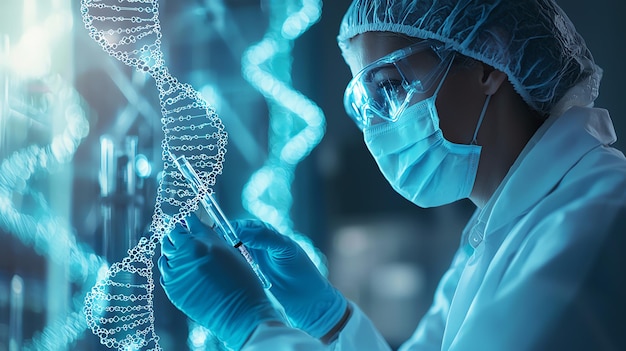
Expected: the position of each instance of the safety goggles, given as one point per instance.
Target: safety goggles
(383, 89)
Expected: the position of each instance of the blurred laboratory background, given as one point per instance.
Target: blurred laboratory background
(80, 153)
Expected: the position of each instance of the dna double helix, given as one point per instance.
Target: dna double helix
(37, 225)
(119, 307)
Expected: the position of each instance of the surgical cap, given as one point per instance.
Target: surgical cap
(532, 41)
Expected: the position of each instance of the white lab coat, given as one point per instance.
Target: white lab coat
(540, 267)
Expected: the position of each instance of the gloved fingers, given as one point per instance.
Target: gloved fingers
(194, 224)
(182, 250)
(177, 265)
(177, 236)
(170, 272)
(190, 227)
(199, 229)
(167, 246)
(256, 234)
(164, 268)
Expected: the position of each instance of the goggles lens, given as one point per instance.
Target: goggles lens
(383, 89)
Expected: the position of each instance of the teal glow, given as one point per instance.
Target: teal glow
(198, 337)
(143, 166)
(297, 124)
(48, 234)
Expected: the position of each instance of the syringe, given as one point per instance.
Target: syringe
(220, 223)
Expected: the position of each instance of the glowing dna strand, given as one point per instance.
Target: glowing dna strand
(296, 123)
(50, 235)
(119, 309)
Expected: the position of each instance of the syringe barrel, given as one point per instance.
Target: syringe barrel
(255, 267)
(220, 224)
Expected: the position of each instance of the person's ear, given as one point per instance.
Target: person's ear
(492, 79)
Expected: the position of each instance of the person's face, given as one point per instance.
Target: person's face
(458, 103)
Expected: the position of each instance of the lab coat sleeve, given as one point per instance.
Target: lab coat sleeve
(562, 290)
(282, 338)
(429, 333)
(358, 334)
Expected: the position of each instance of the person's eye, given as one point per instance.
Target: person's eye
(389, 86)
(385, 73)
(390, 95)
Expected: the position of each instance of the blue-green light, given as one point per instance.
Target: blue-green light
(297, 124)
(48, 234)
(143, 166)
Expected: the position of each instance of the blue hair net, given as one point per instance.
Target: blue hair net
(532, 41)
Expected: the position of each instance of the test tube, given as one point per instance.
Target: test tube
(220, 223)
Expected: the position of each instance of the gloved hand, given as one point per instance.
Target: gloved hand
(212, 283)
(311, 303)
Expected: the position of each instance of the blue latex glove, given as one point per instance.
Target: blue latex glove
(211, 283)
(311, 303)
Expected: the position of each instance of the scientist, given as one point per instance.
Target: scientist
(487, 100)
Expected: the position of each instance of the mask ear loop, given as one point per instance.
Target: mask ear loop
(480, 120)
(443, 78)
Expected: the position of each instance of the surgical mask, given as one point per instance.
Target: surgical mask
(416, 159)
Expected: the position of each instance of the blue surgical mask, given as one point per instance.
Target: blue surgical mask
(416, 159)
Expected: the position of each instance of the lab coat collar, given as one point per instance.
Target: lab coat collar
(554, 149)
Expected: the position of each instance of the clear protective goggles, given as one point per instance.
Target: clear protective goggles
(383, 89)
